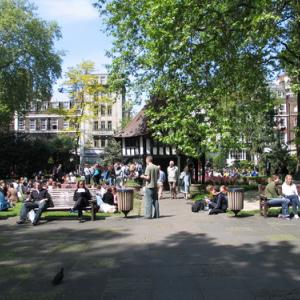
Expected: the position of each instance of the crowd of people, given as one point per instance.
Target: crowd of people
(36, 193)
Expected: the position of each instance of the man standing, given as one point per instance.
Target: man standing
(151, 199)
(39, 198)
(160, 182)
(87, 174)
(172, 179)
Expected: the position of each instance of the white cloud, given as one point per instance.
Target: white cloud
(67, 10)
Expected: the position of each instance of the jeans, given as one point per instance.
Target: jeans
(87, 179)
(295, 202)
(151, 202)
(284, 202)
(28, 206)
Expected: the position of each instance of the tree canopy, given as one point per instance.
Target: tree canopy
(29, 63)
(209, 83)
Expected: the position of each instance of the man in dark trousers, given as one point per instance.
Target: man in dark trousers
(39, 198)
(151, 197)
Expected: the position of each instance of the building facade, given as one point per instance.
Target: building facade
(39, 121)
(286, 112)
(95, 129)
(101, 126)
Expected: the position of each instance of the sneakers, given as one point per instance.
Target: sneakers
(296, 216)
(20, 222)
(285, 217)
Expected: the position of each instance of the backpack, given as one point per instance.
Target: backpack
(197, 206)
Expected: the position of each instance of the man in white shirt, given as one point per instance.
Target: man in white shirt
(87, 174)
(289, 191)
(172, 178)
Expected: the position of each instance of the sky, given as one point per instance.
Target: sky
(82, 35)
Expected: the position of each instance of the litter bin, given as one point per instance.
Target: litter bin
(125, 200)
(236, 200)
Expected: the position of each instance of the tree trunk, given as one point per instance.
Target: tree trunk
(203, 161)
(297, 175)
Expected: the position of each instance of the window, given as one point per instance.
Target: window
(282, 122)
(66, 125)
(103, 79)
(102, 110)
(44, 106)
(43, 124)
(32, 124)
(102, 125)
(54, 124)
(109, 125)
(55, 104)
(282, 135)
(103, 143)
(95, 125)
(21, 124)
(282, 108)
(131, 142)
(66, 105)
(109, 110)
(96, 142)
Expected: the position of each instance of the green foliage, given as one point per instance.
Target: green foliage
(208, 79)
(87, 95)
(112, 152)
(25, 155)
(29, 64)
(282, 162)
(244, 164)
(219, 160)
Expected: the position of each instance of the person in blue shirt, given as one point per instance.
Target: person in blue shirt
(160, 182)
(4, 205)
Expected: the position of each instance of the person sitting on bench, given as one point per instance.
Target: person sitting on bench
(289, 191)
(274, 198)
(82, 196)
(220, 203)
(39, 198)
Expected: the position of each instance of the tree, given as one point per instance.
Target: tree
(87, 95)
(29, 63)
(208, 82)
(62, 151)
(112, 152)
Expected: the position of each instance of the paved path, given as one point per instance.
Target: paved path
(182, 255)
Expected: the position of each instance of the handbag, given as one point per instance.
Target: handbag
(31, 215)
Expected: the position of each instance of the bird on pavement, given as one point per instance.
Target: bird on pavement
(58, 277)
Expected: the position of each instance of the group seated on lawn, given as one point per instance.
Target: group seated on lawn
(36, 198)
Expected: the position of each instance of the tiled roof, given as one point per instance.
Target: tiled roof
(136, 127)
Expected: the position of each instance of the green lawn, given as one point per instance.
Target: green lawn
(12, 212)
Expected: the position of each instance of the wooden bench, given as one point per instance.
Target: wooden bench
(63, 201)
(263, 201)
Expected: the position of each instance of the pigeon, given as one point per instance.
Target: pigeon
(58, 277)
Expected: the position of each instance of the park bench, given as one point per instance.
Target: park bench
(63, 201)
(263, 200)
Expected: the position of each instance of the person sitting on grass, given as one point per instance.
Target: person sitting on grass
(39, 198)
(103, 205)
(4, 205)
(82, 196)
(219, 204)
(274, 198)
(108, 197)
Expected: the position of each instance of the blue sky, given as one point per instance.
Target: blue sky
(82, 38)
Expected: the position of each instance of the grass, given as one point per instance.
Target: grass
(11, 212)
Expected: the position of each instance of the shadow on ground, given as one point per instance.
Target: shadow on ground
(114, 264)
